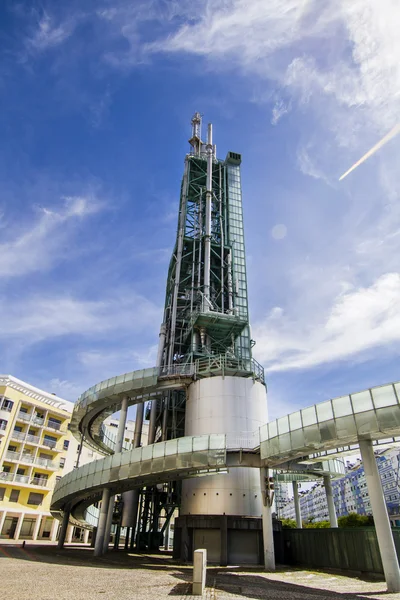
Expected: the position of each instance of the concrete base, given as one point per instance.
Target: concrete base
(227, 539)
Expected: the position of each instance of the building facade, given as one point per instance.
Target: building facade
(34, 442)
(350, 492)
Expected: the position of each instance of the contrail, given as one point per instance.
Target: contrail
(392, 133)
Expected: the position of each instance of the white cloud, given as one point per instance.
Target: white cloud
(36, 318)
(359, 320)
(40, 246)
(49, 34)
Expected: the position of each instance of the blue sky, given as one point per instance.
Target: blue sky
(95, 105)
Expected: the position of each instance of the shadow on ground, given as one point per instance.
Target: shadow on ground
(222, 582)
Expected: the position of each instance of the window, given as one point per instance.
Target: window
(6, 468)
(23, 410)
(3, 424)
(12, 448)
(35, 499)
(18, 428)
(7, 404)
(62, 463)
(14, 495)
(20, 471)
(2, 492)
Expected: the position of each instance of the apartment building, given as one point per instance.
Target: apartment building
(34, 442)
(350, 492)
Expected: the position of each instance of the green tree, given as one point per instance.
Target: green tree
(289, 524)
(355, 520)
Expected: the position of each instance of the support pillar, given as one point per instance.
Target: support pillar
(2, 519)
(86, 536)
(101, 526)
(297, 508)
(127, 538)
(54, 530)
(107, 531)
(19, 525)
(224, 540)
(63, 530)
(382, 524)
(268, 534)
(93, 540)
(70, 533)
(329, 498)
(36, 527)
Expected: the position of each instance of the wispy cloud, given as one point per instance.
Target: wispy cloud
(42, 317)
(48, 32)
(359, 320)
(39, 246)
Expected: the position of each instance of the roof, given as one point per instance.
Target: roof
(36, 393)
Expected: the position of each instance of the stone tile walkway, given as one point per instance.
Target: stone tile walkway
(41, 572)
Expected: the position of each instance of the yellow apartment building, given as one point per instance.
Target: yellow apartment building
(34, 441)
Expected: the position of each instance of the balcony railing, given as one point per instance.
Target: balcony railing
(24, 416)
(28, 458)
(25, 479)
(22, 436)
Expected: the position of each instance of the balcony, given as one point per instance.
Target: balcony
(22, 416)
(24, 480)
(28, 458)
(22, 436)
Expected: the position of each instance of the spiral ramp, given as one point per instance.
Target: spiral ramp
(304, 444)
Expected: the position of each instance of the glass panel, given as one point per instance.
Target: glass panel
(283, 425)
(309, 416)
(171, 447)
(200, 443)
(264, 432)
(388, 418)
(284, 442)
(361, 401)
(384, 396)
(366, 422)
(184, 444)
(328, 431)
(159, 450)
(342, 406)
(312, 436)
(147, 452)
(324, 411)
(346, 428)
(297, 437)
(272, 429)
(217, 442)
(295, 420)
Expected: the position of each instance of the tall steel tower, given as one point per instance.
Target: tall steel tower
(206, 322)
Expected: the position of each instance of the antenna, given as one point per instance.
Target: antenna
(195, 140)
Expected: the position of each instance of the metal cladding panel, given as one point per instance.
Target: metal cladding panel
(233, 406)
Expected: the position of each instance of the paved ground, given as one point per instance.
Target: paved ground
(39, 572)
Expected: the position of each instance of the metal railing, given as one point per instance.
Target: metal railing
(22, 436)
(225, 364)
(23, 416)
(25, 479)
(28, 458)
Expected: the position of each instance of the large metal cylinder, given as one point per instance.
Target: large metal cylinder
(235, 406)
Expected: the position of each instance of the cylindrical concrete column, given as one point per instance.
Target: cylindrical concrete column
(63, 530)
(101, 526)
(122, 424)
(86, 536)
(36, 527)
(329, 500)
(382, 524)
(297, 508)
(268, 533)
(107, 531)
(93, 539)
(70, 532)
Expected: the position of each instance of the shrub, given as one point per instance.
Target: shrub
(355, 520)
(289, 524)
